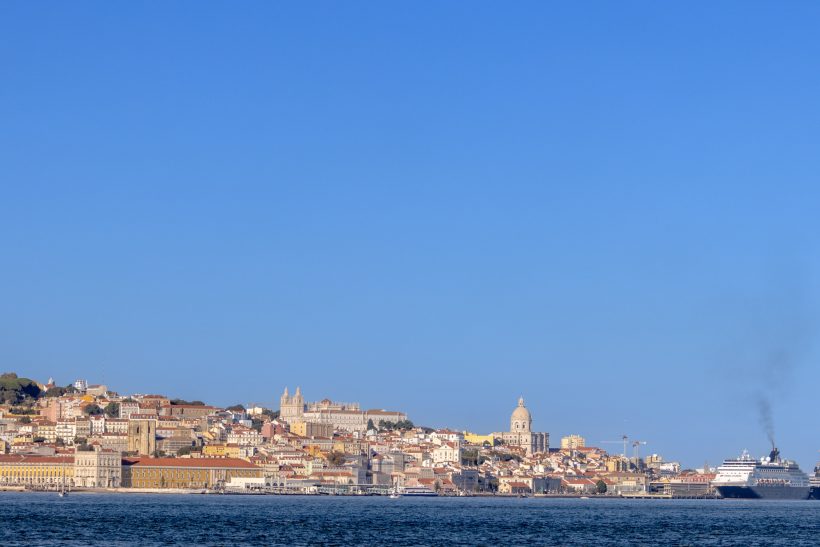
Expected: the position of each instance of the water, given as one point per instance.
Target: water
(126, 519)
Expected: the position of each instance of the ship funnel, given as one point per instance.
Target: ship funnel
(774, 456)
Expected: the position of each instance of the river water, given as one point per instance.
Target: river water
(141, 519)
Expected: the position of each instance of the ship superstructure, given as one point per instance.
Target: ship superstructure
(767, 478)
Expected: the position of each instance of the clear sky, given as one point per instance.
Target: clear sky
(609, 208)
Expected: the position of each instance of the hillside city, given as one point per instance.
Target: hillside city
(87, 437)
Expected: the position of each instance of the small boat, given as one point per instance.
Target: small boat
(584, 497)
(62, 492)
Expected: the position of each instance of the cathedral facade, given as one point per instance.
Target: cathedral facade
(292, 409)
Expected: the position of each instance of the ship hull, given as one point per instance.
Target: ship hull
(764, 492)
(815, 493)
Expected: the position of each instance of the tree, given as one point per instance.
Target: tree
(272, 414)
(236, 408)
(93, 410)
(39, 439)
(600, 486)
(336, 458)
(55, 391)
(24, 420)
(184, 402)
(184, 451)
(112, 410)
(370, 425)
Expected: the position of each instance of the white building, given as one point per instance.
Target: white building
(97, 468)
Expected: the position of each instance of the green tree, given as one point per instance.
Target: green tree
(236, 408)
(600, 486)
(112, 410)
(272, 414)
(336, 458)
(184, 451)
(92, 410)
(184, 402)
(55, 391)
(370, 425)
(24, 420)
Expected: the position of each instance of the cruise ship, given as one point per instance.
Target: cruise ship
(767, 478)
(815, 483)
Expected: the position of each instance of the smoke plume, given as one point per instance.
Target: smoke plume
(764, 410)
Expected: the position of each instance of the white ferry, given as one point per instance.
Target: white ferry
(815, 483)
(767, 478)
(417, 491)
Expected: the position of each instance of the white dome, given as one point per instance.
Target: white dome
(521, 418)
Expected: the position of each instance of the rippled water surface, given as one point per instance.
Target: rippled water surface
(126, 519)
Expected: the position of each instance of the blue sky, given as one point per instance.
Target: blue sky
(609, 208)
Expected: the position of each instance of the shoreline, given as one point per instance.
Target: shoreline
(205, 492)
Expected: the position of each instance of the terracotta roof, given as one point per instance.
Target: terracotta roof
(24, 458)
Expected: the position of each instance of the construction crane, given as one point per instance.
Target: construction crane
(623, 440)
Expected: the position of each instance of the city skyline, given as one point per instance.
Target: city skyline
(608, 209)
(610, 441)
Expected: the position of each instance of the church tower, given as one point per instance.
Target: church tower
(291, 409)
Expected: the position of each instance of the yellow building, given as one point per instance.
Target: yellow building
(474, 438)
(36, 471)
(184, 472)
(617, 463)
(310, 429)
(220, 451)
(573, 442)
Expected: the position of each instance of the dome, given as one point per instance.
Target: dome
(521, 412)
(521, 418)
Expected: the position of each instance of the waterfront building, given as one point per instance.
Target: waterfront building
(521, 434)
(36, 471)
(97, 468)
(185, 472)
